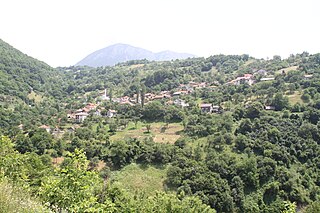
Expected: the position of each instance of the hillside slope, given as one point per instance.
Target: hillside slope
(117, 53)
(20, 74)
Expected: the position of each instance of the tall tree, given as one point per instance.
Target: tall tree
(143, 93)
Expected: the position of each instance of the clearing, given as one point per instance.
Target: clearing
(169, 135)
(135, 177)
(295, 98)
(286, 70)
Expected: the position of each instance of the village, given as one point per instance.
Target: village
(170, 97)
(174, 97)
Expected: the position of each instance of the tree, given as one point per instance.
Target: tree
(41, 140)
(290, 207)
(305, 97)
(280, 102)
(23, 144)
(153, 111)
(143, 94)
(148, 126)
(254, 110)
(72, 186)
(313, 207)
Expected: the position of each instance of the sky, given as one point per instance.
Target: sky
(62, 32)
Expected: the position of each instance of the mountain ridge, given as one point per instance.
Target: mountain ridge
(120, 52)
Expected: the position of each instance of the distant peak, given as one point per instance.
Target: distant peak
(120, 52)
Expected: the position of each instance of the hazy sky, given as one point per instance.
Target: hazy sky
(62, 32)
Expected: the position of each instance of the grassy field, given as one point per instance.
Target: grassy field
(286, 70)
(295, 98)
(170, 135)
(146, 178)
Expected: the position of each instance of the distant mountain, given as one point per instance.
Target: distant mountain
(117, 53)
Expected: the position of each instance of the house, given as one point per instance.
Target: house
(261, 72)
(197, 85)
(165, 93)
(47, 128)
(111, 113)
(91, 106)
(97, 112)
(158, 97)
(148, 95)
(246, 79)
(267, 79)
(57, 131)
(161, 96)
(181, 103)
(81, 116)
(206, 108)
(122, 102)
(181, 92)
(308, 76)
(216, 108)
(269, 108)
(124, 98)
(209, 108)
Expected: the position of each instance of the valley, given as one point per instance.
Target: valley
(226, 133)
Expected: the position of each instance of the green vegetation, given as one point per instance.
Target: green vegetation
(223, 133)
(140, 178)
(14, 199)
(170, 135)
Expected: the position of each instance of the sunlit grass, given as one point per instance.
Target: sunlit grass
(146, 178)
(170, 135)
(14, 199)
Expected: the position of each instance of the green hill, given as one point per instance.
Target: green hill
(21, 74)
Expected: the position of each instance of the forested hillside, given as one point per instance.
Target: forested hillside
(227, 133)
(21, 74)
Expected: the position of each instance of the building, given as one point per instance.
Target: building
(261, 72)
(267, 79)
(180, 103)
(47, 128)
(97, 112)
(111, 113)
(90, 107)
(246, 79)
(81, 116)
(209, 108)
(181, 92)
(269, 108)
(206, 108)
(123, 102)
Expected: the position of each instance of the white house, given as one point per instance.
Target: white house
(111, 113)
(246, 79)
(267, 79)
(209, 108)
(181, 103)
(81, 116)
